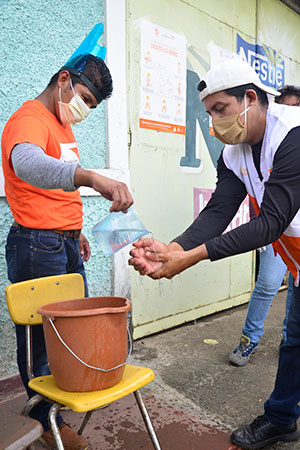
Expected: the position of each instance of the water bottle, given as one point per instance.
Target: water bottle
(117, 230)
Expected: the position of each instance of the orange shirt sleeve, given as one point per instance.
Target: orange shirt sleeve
(29, 129)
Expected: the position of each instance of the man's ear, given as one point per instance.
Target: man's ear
(251, 96)
(63, 78)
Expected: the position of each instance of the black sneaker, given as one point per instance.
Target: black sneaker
(241, 354)
(262, 432)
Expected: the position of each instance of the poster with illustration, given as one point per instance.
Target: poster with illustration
(163, 79)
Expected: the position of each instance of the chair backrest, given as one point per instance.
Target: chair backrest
(24, 298)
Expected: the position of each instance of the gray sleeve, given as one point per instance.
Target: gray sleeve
(33, 166)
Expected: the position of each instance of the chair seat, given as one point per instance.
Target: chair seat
(134, 378)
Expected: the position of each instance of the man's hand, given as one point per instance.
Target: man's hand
(144, 256)
(158, 260)
(112, 190)
(84, 246)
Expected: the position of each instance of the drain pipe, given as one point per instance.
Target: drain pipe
(256, 26)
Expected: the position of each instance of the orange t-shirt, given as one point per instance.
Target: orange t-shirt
(30, 206)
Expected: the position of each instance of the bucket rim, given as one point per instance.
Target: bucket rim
(49, 309)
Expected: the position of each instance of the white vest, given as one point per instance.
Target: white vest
(238, 158)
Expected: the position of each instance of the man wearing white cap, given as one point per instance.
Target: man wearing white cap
(261, 159)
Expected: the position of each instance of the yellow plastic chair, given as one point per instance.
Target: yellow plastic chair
(23, 300)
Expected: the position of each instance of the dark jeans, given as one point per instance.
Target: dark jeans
(35, 254)
(282, 407)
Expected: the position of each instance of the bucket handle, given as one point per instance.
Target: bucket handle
(88, 365)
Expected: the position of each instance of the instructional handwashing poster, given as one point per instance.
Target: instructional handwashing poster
(163, 79)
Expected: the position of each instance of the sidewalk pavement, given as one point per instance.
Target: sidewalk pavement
(197, 397)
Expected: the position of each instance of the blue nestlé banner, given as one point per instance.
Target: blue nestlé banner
(267, 62)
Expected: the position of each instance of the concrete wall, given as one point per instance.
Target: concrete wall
(37, 37)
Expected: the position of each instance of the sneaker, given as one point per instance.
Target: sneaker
(262, 432)
(241, 354)
(71, 440)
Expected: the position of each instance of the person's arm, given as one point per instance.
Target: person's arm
(33, 166)
(115, 191)
(156, 258)
(280, 204)
(220, 210)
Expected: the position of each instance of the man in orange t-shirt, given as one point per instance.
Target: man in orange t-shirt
(42, 174)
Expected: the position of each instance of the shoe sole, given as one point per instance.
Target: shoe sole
(284, 438)
(238, 364)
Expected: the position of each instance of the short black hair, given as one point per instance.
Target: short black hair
(96, 71)
(240, 91)
(287, 91)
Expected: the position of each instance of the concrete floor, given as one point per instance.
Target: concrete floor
(197, 398)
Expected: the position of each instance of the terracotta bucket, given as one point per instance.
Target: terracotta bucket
(86, 342)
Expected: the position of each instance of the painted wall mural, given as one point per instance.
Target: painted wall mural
(195, 113)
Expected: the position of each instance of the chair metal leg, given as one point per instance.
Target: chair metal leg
(147, 420)
(54, 427)
(85, 421)
(31, 403)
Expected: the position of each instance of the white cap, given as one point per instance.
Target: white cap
(229, 74)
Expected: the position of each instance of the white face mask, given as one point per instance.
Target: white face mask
(73, 112)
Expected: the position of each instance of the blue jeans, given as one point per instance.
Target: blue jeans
(282, 406)
(270, 276)
(34, 254)
(288, 302)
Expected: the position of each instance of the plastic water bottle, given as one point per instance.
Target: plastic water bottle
(117, 230)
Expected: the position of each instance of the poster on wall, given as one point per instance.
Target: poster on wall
(163, 79)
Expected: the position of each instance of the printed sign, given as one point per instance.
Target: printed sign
(267, 62)
(163, 79)
(202, 197)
